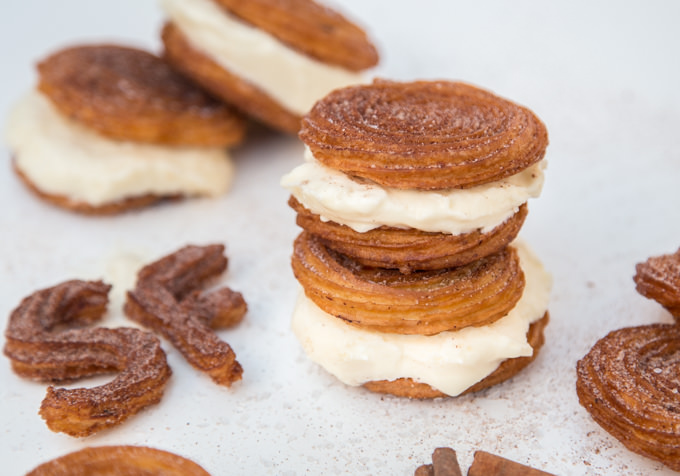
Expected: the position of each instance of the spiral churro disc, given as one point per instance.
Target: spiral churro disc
(129, 94)
(423, 135)
(423, 302)
(629, 383)
(409, 249)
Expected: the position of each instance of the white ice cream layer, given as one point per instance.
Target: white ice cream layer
(364, 205)
(62, 157)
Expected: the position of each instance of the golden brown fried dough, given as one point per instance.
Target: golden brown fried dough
(225, 85)
(309, 28)
(422, 302)
(425, 135)
(658, 278)
(120, 206)
(40, 349)
(629, 384)
(119, 460)
(129, 94)
(167, 299)
(409, 249)
(406, 387)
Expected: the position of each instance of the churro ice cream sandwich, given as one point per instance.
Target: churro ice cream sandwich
(411, 198)
(111, 128)
(270, 58)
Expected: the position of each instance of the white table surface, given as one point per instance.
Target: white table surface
(605, 78)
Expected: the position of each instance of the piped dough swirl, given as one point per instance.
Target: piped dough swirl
(629, 384)
(427, 135)
(422, 302)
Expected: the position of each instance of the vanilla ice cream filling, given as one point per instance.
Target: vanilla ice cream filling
(294, 80)
(62, 157)
(364, 205)
(450, 362)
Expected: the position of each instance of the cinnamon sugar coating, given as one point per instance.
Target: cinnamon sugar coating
(407, 387)
(658, 278)
(119, 460)
(44, 343)
(422, 302)
(129, 94)
(169, 300)
(223, 84)
(428, 135)
(310, 28)
(409, 249)
(629, 383)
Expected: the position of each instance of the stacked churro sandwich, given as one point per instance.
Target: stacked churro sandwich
(410, 200)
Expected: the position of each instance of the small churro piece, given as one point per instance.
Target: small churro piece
(39, 348)
(167, 299)
(115, 460)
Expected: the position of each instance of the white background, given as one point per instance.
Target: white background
(604, 77)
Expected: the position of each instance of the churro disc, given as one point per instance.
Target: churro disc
(409, 249)
(421, 302)
(128, 94)
(629, 383)
(407, 387)
(428, 135)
